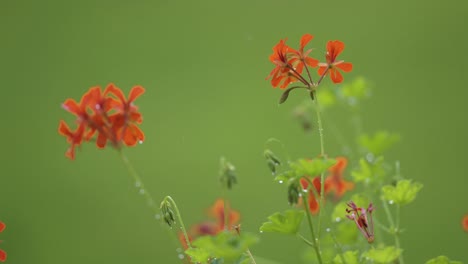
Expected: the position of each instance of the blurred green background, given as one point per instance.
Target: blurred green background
(204, 65)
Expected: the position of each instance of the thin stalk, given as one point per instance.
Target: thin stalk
(394, 228)
(179, 217)
(305, 240)
(139, 183)
(322, 154)
(226, 212)
(315, 244)
(251, 257)
(339, 247)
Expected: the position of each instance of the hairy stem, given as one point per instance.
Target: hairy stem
(179, 218)
(314, 243)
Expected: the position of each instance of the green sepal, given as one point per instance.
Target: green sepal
(369, 172)
(350, 257)
(442, 260)
(383, 255)
(228, 246)
(403, 193)
(287, 222)
(379, 142)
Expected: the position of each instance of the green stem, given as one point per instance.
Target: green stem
(139, 184)
(226, 212)
(305, 240)
(394, 228)
(339, 247)
(179, 217)
(322, 154)
(314, 243)
(251, 257)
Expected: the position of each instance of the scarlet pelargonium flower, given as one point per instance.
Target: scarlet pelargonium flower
(335, 181)
(303, 56)
(465, 223)
(334, 48)
(3, 254)
(283, 72)
(314, 194)
(108, 113)
(212, 228)
(363, 219)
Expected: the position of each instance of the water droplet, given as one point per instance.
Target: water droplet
(280, 182)
(305, 190)
(328, 229)
(261, 231)
(338, 219)
(391, 202)
(140, 142)
(137, 184)
(181, 256)
(142, 191)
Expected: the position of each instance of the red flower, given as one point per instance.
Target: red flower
(335, 180)
(115, 121)
(363, 219)
(303, 57)
(334, 48)
(314, 194)
(283, 72)
(3, 254)
(217, 211)
(465, 223)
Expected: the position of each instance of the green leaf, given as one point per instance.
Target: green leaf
(358, 89)
(312, 167)
(369, 172)
(198, 255)
(350, 257)
(346, 233)
(442, 260)
(403, 193)
(228, 246)
(379, 142)
(383, 255)
(285, 223)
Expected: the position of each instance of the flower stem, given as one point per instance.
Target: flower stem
(139, 184)
(394, 228)
(314, 243)
(322, 154)
(179, 217)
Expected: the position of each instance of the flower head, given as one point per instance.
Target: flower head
(107, 113)
(335, 180)
(3, 254)
(465, 223)
(363, 219)
(302, 56)
(333, 66)
(284, 72)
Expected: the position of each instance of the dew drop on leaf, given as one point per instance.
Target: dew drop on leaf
(280, 182)
(181, 256)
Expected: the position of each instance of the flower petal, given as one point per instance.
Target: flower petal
(345, 66)
(321, 70)
(311, 62)
(334, 49)
(465, 223)
(2, 226)
(111, 88)
(135, 93)
(335, 76)
(101, 140)
(305, 39)
(3, 256)
(64, 130)
(72, 106)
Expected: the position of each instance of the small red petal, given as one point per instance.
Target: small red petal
(135, 93)
(321, 70)
(335, 76)
(3, 256)
(465, 223)
(305, 39)
(111, 88)
(72, 106)
(345, 66)
(2, 226)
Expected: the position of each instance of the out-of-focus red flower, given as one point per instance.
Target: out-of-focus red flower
(283, 73)
(334, 48)
(363, 219)
(108, 113)
(465, 223)
(3, 254)
(217, 211)
(303, 56)
(335, 180)
(314, 194)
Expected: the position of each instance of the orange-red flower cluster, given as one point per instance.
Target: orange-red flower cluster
(465, 223)
(3, 254)
(290, 63)
(334, 182)
(214, 226)
(107, 114)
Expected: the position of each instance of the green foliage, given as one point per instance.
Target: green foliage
(357, 89)
(305, 167)
(383, 255)
(379, 142)
(228, 246)
(198, 255)
(350, 257)
(369, 172)
(285, 223)
(403, 193)
(442, 260)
